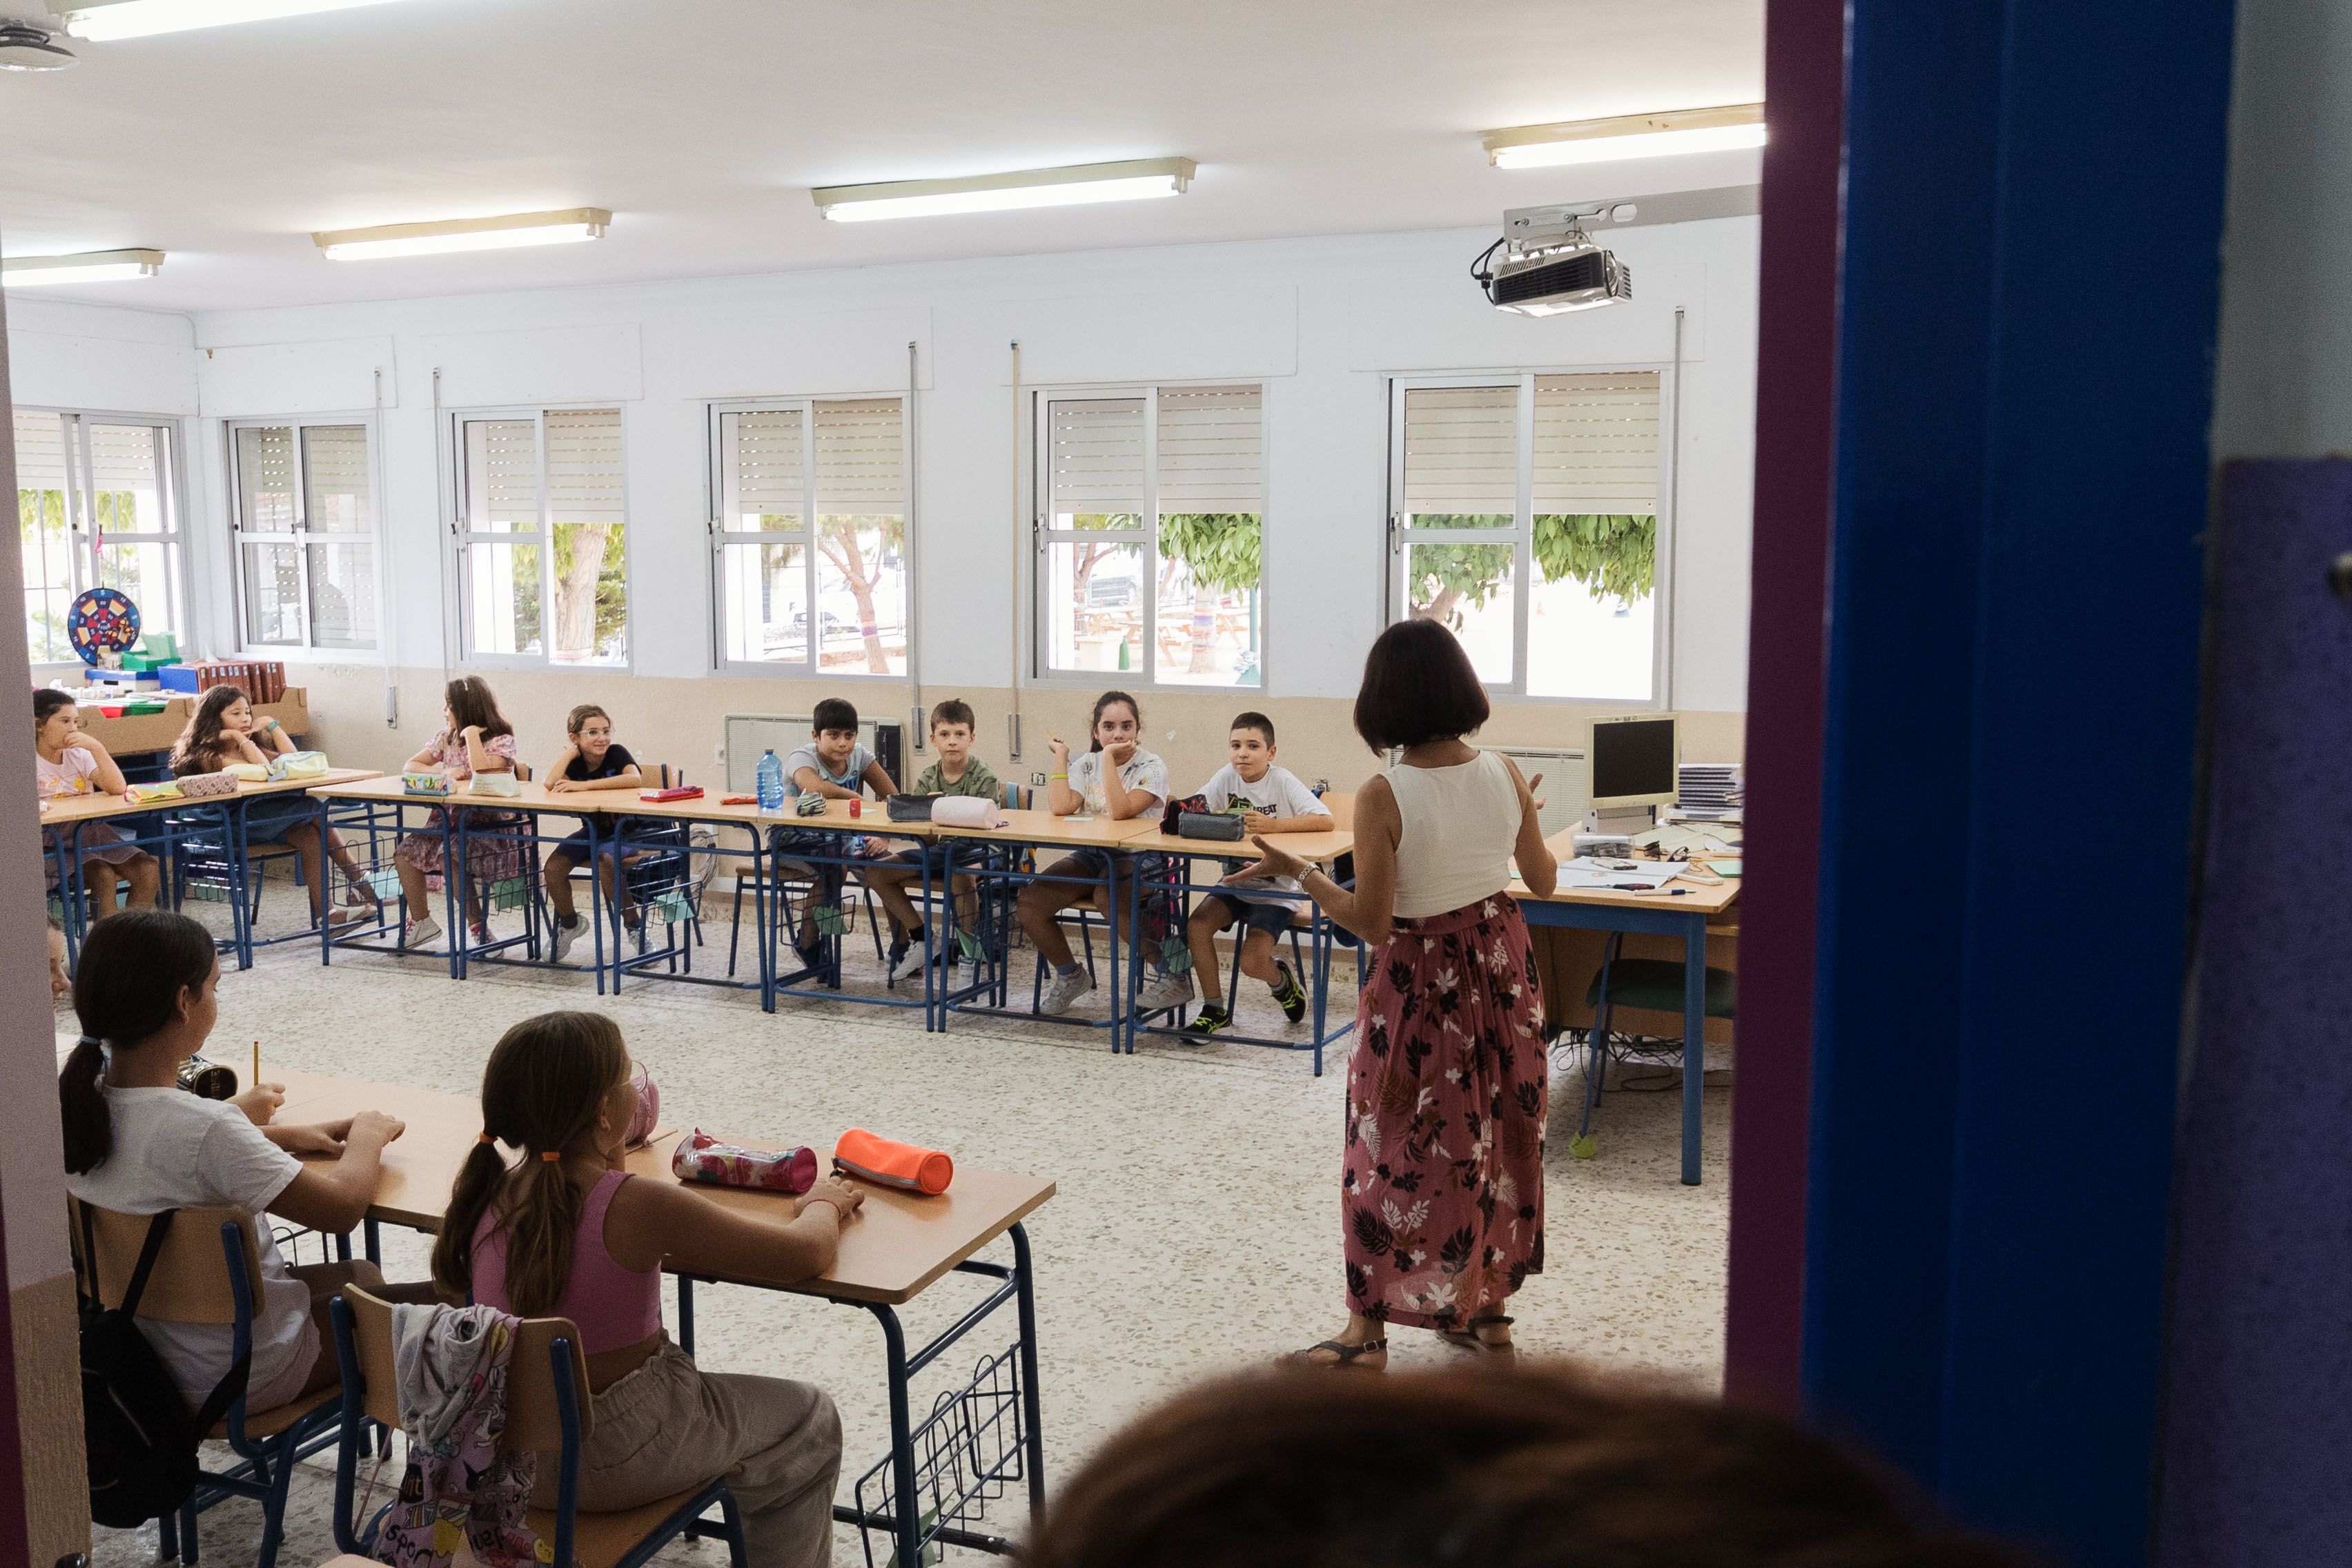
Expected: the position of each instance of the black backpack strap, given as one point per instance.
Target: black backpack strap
(86, 1261)
(157, 1229)
(228, 1390)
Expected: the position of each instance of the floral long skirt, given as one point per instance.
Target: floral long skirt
(1443, 1193)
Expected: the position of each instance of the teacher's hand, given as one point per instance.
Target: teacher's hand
(1271, 862)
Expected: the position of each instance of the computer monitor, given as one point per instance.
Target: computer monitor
(1633, 759)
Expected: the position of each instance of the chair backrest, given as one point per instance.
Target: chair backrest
(533, 1420)
(1341, 803)
(191, 1282)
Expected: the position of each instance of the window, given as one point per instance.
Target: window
(809, 548)
(542, 564)
(1149, 553)
(97, 507)
(305, 535)
(1546, 480)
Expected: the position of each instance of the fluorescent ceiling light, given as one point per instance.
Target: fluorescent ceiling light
(102, 20)
(1137, 180)
(1627, 136)
(89, 267)
(506, 233)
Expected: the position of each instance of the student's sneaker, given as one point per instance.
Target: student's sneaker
(481, 932)
(422, 932)
(1211, 1017)
(1163, 991)
(909, 958)
(1064, 989)
(1289, 992)
(565, 935)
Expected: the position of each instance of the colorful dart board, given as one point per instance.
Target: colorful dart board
(101, 621)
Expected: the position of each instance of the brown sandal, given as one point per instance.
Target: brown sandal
(1467, 1337)
(1347, 1355)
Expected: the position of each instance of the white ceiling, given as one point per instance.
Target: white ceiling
(702, 124)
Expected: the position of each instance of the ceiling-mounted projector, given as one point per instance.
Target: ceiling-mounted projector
(1551, 265)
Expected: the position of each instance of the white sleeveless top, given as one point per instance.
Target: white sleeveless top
(1460, 825)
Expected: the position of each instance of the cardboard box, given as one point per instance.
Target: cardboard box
(160, 731)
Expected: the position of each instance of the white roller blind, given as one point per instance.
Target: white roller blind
(40, 451)
(1211, 449)
(335, 478)
(265, 473)
(1462, 449)
(584, 465)
(503, 481)
(770, 469)
(1597, 443)
(123, 457)
(1096, 455)
(860, 457)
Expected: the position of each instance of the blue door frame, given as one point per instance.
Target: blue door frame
(2008, 670)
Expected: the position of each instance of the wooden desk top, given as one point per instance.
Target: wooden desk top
(1698, 898)
(387, 788)
(898, 1244)
(1315, 849)
(1045, 827)
(874, 817)
(91, 807)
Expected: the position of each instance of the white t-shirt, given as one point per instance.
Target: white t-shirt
(173, 1150)
(1143, 771)
(1278, 793)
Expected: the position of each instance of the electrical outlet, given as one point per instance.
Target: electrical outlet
(1038, 779)
(718, 753)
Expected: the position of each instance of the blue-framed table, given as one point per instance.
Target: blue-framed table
(981, 1437)
(1682, 912)
(1322, 849)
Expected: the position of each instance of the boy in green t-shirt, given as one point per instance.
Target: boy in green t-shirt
(957, 772)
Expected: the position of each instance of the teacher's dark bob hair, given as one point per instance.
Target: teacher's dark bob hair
(1419, 686)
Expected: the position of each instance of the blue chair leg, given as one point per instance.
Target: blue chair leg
(167, 1538)
(738, 1555)
(273, 1507)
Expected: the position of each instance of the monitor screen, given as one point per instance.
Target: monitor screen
(1633, 759)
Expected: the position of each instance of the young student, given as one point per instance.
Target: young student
(474, 738)
(1117, 779)
(136, 1143)
(220, 733)
(1271, 800)
(68, 763)
(591, 760)
(955, 771)
(565, 1232)
(835, 765)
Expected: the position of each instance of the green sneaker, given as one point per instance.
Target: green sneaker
(1289, 992)
(1207, 1022)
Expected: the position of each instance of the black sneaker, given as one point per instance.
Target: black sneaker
(1206, 1021)
(1289, 992)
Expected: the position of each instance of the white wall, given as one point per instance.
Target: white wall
(1321, 321)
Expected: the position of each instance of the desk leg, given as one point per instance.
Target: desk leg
(907, 1517)
(373, 1238)
(1694, 1045)
(1031, 1411)
(685, 1314)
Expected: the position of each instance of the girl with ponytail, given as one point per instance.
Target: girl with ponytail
(137, 1144)
(565, 1232)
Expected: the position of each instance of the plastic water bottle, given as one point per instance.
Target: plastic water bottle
(771, 782)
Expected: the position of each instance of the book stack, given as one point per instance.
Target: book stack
(1710, 792)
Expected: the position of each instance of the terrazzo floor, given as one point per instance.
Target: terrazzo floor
(1195, 1229)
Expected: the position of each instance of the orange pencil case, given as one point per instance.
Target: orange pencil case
(901, 1165)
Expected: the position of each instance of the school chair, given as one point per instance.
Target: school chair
(506, 875)
(548, 1413)
(662, 881)
(1651, 985)
(208, 1271)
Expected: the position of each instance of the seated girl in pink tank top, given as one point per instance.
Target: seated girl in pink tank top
(566, 1233)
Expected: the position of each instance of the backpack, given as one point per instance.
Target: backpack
(139, 1437)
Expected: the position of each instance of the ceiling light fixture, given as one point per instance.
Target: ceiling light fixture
(1627, 136)
(515, 230)
(105, 20)
(30, 46)
(89, 267)
(1137, 180)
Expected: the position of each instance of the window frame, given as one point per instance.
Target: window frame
(1521, 534)
(1043, 536)
(86, 544)
(241, 540)
(720, 537)
(462, 538)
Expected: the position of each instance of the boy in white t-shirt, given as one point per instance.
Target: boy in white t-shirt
(1268, 799)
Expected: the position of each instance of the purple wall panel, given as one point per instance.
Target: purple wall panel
(2258, 1443)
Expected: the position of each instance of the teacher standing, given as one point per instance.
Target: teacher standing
(1442, 1193)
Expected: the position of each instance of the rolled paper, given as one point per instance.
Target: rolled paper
(648, 1114)
(901, 1165)
(702, 1158)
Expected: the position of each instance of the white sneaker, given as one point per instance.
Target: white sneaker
(1163, 991)
(565, 935)
(1062, 990)
(910, 963)
(423, 932)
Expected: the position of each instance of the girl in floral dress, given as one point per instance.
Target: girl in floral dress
(475, 737)
(1441, 1190)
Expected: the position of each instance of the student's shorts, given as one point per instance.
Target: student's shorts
(1271, 918)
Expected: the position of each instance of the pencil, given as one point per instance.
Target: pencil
(257, 1061)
